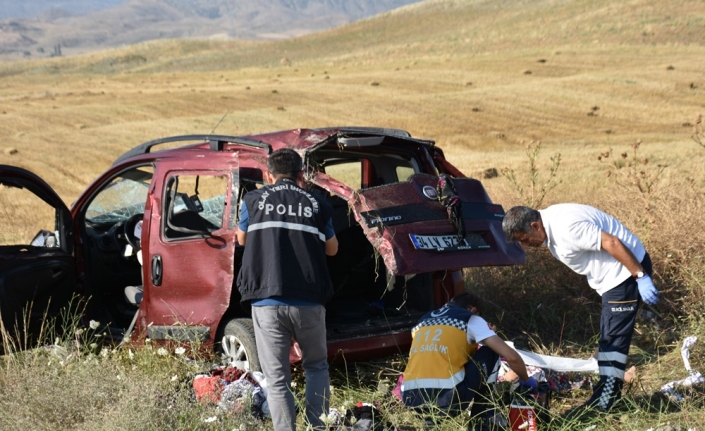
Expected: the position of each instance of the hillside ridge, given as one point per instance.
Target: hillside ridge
(66, 24)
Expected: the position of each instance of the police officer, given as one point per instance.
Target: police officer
(284, 276)
(447, 370)
(594, 244)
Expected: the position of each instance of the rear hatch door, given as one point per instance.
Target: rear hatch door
(412, 232)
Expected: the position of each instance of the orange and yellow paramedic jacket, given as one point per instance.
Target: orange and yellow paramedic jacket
(439, 350)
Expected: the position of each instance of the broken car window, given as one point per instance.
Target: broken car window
(347, 172)
(122, 198)
(196, 203)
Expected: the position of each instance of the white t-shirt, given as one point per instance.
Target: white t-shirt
(574, 236)
(478, 329)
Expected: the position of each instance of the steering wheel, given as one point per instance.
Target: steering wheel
(129, 230)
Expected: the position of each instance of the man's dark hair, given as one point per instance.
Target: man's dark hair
(518, 220)
(467, 300)
(284, 163)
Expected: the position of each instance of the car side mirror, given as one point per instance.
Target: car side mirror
(44, 238)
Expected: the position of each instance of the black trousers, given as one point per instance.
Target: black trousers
(619, 310)
(482, 366)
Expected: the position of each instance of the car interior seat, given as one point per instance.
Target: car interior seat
(186, 219)
(133, 294)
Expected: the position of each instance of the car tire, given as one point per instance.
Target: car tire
(238, 345)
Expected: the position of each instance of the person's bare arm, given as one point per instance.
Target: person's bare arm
(612, 245)
(332, 246)
(512, 357)
(241, 237)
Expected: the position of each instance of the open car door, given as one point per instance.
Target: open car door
(189, 232)
(37, 266)
(411, 229)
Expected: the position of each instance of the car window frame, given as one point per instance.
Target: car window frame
(164, 211)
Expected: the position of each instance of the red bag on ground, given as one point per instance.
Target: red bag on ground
(207, 388)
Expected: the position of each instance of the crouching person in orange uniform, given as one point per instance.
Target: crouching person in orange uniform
(454, 354)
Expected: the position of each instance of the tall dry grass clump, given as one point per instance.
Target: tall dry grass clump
(671, 223)
(82, 381)
(668, 216)
(541, 306)
(538, 184)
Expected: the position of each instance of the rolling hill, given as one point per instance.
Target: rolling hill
(79, 26)
(431, 28)
(472, 74)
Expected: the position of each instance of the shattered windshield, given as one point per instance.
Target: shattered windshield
(123, 197)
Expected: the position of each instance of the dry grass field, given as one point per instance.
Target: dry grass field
(482, 79)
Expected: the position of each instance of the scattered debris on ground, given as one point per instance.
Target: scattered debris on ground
(671, 389)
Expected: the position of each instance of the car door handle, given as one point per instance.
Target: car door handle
(157, 270)
(57, 273)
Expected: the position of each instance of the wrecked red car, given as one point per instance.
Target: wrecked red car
(152, 241)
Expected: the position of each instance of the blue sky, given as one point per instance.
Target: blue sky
(31, 8)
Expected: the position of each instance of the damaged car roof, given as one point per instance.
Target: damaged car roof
(297, 139)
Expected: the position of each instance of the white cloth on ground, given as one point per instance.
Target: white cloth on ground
(557, 363)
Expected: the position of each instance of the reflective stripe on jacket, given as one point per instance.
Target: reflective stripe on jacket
(439, 350)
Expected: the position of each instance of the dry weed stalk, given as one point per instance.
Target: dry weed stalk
(679, 213)
(537, 188)
(674, 235)
(18, 336)
(698, 132)
(631, 173)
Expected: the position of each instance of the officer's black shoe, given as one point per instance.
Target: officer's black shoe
(582, 414)
(429, 423)
(622, 405)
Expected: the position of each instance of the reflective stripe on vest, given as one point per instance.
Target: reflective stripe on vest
(448, 383)
(287, 225)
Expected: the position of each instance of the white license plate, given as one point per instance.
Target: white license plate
(447, 242)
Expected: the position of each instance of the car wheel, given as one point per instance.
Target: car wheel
(238, 345)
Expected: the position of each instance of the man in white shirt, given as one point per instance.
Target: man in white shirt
(595, 244)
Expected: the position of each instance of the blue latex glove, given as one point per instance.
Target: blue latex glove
(647, 290)
(531, 386)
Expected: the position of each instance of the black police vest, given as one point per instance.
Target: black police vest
(285, 250)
